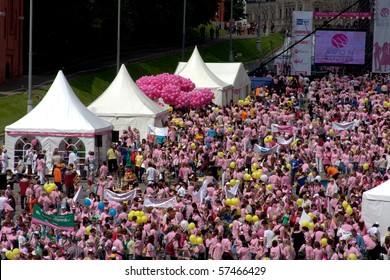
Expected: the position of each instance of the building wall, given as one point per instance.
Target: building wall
(279, 12)
(11, 39)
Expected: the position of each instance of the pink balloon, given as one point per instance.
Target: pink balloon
(33, 142)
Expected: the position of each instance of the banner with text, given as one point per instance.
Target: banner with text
(119, 197)
(302, 52)
(61, 222)
(380, 57)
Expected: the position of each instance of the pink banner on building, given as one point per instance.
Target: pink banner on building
(343, 15)
(381, 43)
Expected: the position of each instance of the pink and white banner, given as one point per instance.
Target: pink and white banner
(381, 47)
(281, 128)
(301, 56)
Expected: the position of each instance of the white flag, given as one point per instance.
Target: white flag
(119, 197)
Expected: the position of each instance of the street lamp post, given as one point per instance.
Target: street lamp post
(118, 43)
(183, 44)
(29, 98)
(231, 21)
(258, 40)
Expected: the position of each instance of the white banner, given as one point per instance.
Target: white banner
(201, 193)
(80, 194)
(158, 131)
(301, 54)
(232, 192)
(345, 126)
(266, 151)
(381, 43)
(284, 142)
(281, 128)
(160, 202)
(112, 196)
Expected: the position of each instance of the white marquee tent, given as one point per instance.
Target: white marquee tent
(124, 104)
(197, 71)
(376, 207)
(232, 73)
(61, 121)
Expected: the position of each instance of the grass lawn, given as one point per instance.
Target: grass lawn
(89, 86)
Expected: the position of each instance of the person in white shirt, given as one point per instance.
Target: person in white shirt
(4, 161)
(73, 158)
(3, 200)
(268, 236)
(151, 173)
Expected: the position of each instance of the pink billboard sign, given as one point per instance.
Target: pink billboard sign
(339, 47)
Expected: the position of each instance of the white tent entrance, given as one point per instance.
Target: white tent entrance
(60, 116)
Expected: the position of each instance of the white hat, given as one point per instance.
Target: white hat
(317, 178)
(113, 248)
(140, 150)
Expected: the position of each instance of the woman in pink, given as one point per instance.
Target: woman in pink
(244, 252)
(41, 163)
(318, 252)
(276, 251)
(150, 249)
(101, 185)
(319, 151)
(138, 246)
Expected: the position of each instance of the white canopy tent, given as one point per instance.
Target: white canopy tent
(197, 71)
(232, 73)
(61, 121)
(123, 104)
(376, 207)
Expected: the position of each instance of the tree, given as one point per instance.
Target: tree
(238, 9)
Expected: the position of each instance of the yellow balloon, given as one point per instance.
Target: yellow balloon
(144, 219)
(170, 108)
(352, 257)
(256, 175)
(247, 177)
(311, 225)
(384, 135)
(228, 202)
(266, 259)
(305, 224)
(345, 204)
(220, 154)
(324, 242)
(230, 225)
(365, 166)
(299, 201)
(9, 255)
(331, 132)
(311, 215)
(193, 238)
(199, 240)
(257, 186)
(240, 102)
(233, 149)
(255, 165)
(232, 165)
(255, 218)
(235, 201)
(288, 166)
(88, 230)
(269, 187)
(16, 251)
(193, 146)
(191, 226)
(248, 218)
(246, 102)
(349, 210)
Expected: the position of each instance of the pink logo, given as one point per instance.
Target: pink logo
(339, 40)
(298, 61)
(385, 12)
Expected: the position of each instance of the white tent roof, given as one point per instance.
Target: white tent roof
(60, 111)
(197, 71)
(123, 98)
(231, 73)
(376, 207)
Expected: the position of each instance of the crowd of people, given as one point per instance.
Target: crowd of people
(267, 177)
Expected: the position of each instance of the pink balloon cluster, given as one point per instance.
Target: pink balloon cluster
(174, 90)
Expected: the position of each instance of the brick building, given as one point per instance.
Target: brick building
(11, 39)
